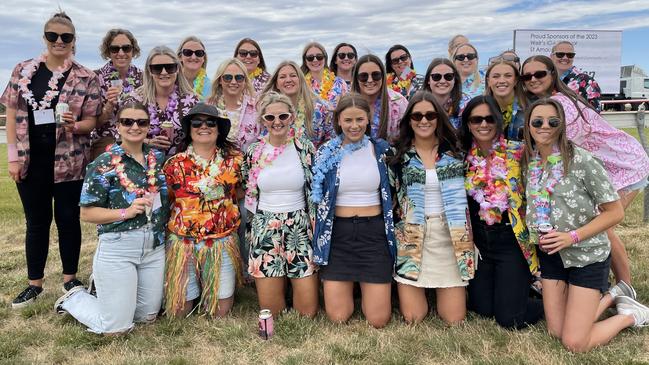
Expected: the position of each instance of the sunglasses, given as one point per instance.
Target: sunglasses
(430, 116)
(53, 36)
(448, 76)
(365, 77)
(570, 55)
(126, 48)
(271, 117)
(537, 75)
(477, 119)
(189, 52)
(243, 53)
(552, 122)
(312, 57)
(468, 56)
(197, 123)
(403, 58)
(128, 122)
(509, 58)
(237, 77)
(157, 68)
(343, 55)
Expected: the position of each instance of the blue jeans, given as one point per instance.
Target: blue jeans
(129, 276)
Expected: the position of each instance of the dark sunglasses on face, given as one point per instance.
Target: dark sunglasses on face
(570, 55)
(126, 48)
(537, 75)
(343, 55)
(312, 57)
(157, 68)
(477, 119)
(237, 77)
(243, 53)
(53, 36)
(271, 117)
(468, 56)
(197, 123)
(189, 52)
(364, 76)
(448, 76)
(128, 122)
(552, 122)
(403, 58)
(430, 116)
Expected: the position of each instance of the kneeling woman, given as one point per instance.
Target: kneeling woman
(277, 170)
(203, 257)
(354, 233)
(434, 248)
(125, 194)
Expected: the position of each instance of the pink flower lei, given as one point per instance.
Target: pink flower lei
(127, 183)
(26, 78)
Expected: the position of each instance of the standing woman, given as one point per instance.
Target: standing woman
(354, 234)
(402, 76)
(623, 157)
(322, 81)
(503, 83)
(386, 106)
(312, 116)
(466, 60)
(434, 247)
(125, 194)
(443, 81)
(233, 92)
(193, 60)
(249, 52)
(277, 171)
(47, 159)
(342, 62)
(203, 259)
(568, 189)
(119, 46)
(494, 185)
(455, 42)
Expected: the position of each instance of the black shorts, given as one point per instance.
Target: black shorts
(593, 276)
(359, 251)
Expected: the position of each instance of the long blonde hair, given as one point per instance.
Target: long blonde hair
(476, 74)
(147, 90)
(217, 89)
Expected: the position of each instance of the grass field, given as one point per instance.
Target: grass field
(37, 335)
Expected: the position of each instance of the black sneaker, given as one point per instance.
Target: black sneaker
(26, 297)
(71, 284)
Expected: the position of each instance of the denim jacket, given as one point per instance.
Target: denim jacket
(514, 131)
(327, 207)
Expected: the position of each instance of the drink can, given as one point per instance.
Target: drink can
(545, 228)
(266, 324)
(167, 129)
(61, 108)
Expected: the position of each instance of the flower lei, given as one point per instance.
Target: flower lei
(171, 113)
(400, 84)
(300, 115)
(26, 78)
(208, 170)
(199, 81)
(255, 73)
(128, 184)
(486, 180)
(328, 158)
(540, 193)
(233, 115)
(327, 83)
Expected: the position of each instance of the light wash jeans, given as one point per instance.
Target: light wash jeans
(129, 277)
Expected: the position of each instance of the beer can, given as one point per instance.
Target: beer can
(61, 108)
(265, 324)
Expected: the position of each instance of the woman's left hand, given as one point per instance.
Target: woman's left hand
(554, 242)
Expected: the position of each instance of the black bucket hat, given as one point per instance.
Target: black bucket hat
(223, 125)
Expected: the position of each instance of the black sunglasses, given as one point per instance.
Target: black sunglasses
(128, 122)
(312, 57)
(365, 77)
(448, 76)
(468, 56)
(126, 48)
(197, 123)
(403, 58)
(430, 116)
(53, 36)
(237, 77)
(477, 119)
(243, 53)
(537, 75)
(189, 52)
(508, 58)
(271, 117)
(157, 68)
(570, 55)
(343, 55)
(552, 122)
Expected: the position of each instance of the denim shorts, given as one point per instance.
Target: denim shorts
(593, 276)
(640, 185)
(227, 278)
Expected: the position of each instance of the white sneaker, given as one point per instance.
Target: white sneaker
(58, 305)
(622, 289)
(630, 307)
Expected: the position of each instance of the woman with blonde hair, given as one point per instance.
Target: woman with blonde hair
(466, 60)
(193, 59)
(319, 77)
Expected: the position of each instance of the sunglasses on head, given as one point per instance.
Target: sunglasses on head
(156, 69)
(468, 56)
(128, 122)
(403, 58)
(237, 77)
(53, 36)
(126, 48)
(538, 122)
(189, 52)
(312, 57)
(448, 76)
(430, 116)
(243, 53)
(509, 58)
(537, 75)
(343, 55)
(570, 55)
(477, 119)
(271, 117)
(197, 123)
(365, 77)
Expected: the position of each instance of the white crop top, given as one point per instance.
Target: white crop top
(432, 194)
(359, 179)
(281, 185)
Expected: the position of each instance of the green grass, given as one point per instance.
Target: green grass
(37, 335)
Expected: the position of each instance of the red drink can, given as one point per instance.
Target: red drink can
(265, 324)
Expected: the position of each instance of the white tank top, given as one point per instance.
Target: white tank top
(432, 194)
(359, 179)
(281, 185)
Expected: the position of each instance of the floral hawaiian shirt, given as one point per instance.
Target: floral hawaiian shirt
(259, 82)
(583, 84)
(472, 87)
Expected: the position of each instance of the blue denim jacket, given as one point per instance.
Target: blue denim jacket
(327, 207)
(514, 131)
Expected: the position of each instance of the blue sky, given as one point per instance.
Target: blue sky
(283, 27)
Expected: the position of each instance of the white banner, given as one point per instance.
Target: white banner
(599, 52)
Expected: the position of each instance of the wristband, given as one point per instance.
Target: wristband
(12, 152)
(574, 236)
(122, 214)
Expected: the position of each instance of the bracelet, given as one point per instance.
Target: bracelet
(122, 214)
(12, 152)
(574, 236)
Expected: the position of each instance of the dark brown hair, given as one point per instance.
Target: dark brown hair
(262, 63)
(356, 87)
(388, 57)
(352, 100)
(332, 65)
(108, 39)
(456, 92)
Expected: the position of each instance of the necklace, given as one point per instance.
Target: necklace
(207, 171)
(540, 193)
(128, 184)
(255, 73)
(399, 84)
(26, 79)
(199, 81)
(325, 86)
